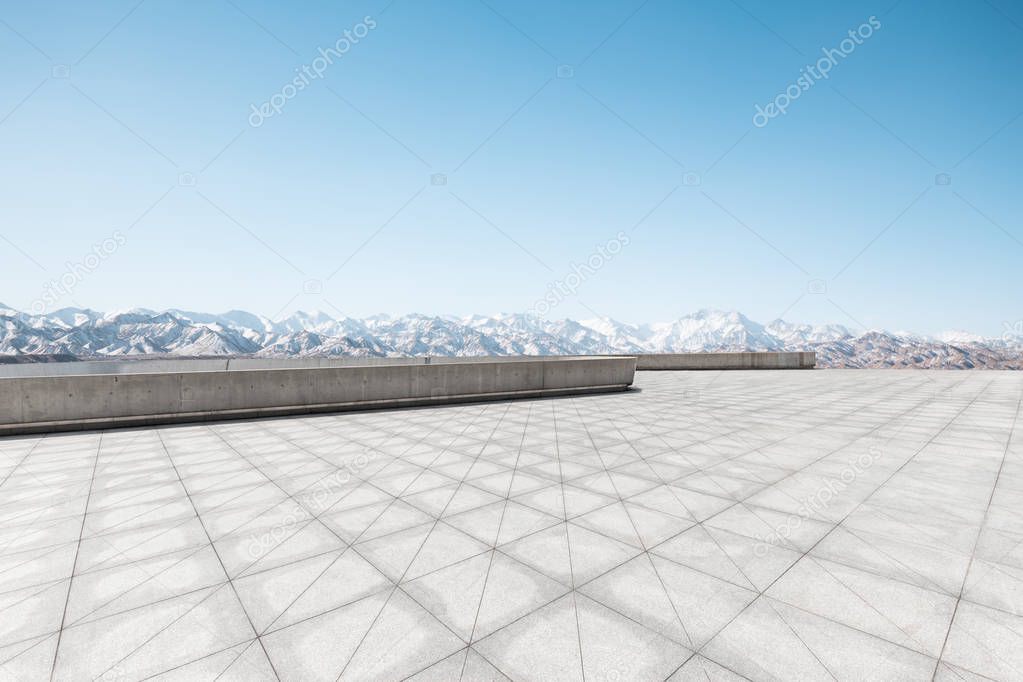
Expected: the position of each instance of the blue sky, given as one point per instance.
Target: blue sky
(133, 118)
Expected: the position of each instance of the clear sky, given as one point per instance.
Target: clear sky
(887, 194)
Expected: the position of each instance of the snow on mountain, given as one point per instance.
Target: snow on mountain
(313, 344)
(791, 334)
(139, 331)
(423, 335)
(619, 334)
(958, 336)
(716, 329)
(70, 317)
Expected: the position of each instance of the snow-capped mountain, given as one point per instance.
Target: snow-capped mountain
(141, 332)
(713, 329)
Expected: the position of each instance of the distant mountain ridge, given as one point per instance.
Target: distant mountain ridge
(141, 332)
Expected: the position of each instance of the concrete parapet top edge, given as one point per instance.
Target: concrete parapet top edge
(69, 401)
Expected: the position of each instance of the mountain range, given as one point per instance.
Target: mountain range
(83, 333)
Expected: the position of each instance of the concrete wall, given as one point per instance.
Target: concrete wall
(163, 365)
(88, 401)
(705, 361)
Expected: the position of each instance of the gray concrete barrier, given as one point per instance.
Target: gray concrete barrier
(709, 361)
(34, 404)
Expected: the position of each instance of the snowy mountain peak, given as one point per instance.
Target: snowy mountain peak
(139, 331)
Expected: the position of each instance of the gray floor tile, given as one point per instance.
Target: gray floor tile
(619, 536)
(986, 641)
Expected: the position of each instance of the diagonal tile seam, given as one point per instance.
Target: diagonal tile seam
(393, 459)
(227, 576)
(350, 546)
(164, 502)
(197, 548)
(269, 630)
(316, 517)
(653, 633)
(246, 646)
(646, 553)
(266, 427)
(467, 650)
(983, 646)
(997, 565)
(40, 639)
(934, 588)
(612, 502)
(1005, 454)
(747, 506)
(938, 543)
(290, 496)
(750, 507)
(37, 553)
(799, 637)
(177, 524)
(22, 460)
(56, 649)
(966, 417)
(735, 435)
(693, 517)
(568, 539)
(48, 584)
(828, 418)
(140, 607)
(884, 639)
(270, 463)
(86, 486)
(409, 565)
(110, 530)
(497, 537)
(30, 526)
(861, 598)
(151, 577)
(166, 627)
(284, 475)
(779, 577)
(328, 434)
(728, 433)
(702, 470)
(953, 670)
(672, 490)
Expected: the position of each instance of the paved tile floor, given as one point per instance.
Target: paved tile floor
(833, 525)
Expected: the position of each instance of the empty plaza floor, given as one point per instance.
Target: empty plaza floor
(831, 525)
